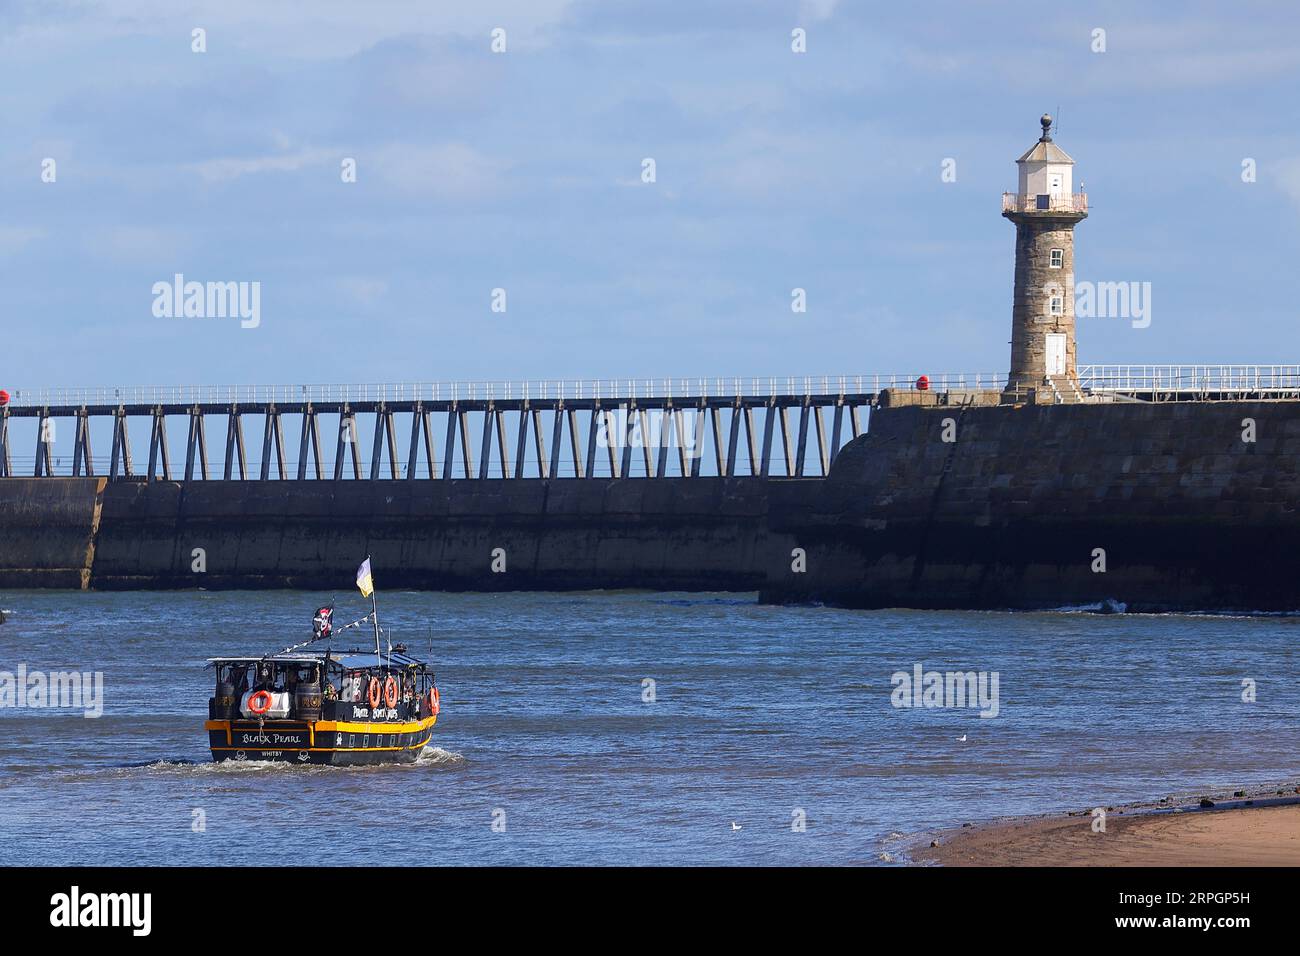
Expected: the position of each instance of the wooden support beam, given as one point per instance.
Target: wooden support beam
(153, 447)
(466, 451)
(502, 451)
(426, 426)
(542, 470)
(751, 441)
(164, 452)
(733, 440)
(665, 436)
(128, 465)
(557, 439)
(191, 440)
(449, 450)
(413, 449)
(611, 442)
(42, 444)
(646, 443)
(802, 448)
(822, 455)
(769, 428)
(316, 446)
(625, 438)
(87, 453)
(230, 442)
(377, 445)
(116, 453)
(575, 443)
(835, 430)
(203, 443)
(592, 430)
(304, 433)
(348, 442)
(390, 432)
(701, 426)
(485, 450)
(715, 414)
(78, 430)
(340, 449)
(679, 430)
(521, 442)
(786, 446)
(268, 431)
(47, 451)
(6, 463)
(281, 468)
(241, 453)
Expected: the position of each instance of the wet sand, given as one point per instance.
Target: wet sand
(1255, 830)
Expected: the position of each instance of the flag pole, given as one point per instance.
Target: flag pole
(374, 609)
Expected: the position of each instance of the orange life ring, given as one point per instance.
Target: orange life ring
(260, 695)
(372, 694)
(390, 691)
(434, 701)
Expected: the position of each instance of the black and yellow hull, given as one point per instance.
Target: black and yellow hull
(332, 742)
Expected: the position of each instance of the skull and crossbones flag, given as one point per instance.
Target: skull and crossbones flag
(323, 623)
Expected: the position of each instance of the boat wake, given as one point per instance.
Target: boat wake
(435, 756)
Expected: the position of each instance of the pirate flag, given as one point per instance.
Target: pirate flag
(323, 623)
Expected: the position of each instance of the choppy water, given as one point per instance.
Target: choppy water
(760, 712)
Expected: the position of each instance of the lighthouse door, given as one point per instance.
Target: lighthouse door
(1055, 353)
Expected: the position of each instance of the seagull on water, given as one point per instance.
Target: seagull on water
(961, 739)
(734, 826)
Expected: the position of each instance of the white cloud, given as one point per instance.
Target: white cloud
(446, 171)
(819, 9)
(331, 28)
(1287, 172)
(222, 170)
(16, 238)
(146, 245)
(364, 291)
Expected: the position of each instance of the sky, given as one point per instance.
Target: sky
(522, 170)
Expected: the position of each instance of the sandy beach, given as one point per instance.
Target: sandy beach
(1254, 830)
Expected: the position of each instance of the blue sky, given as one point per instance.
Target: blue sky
(522, 170)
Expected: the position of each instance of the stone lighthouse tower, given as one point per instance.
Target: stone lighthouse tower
(1045, 209)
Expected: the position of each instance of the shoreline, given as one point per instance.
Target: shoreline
(1257, 826)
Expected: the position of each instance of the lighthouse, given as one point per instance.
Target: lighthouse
(1045, 209)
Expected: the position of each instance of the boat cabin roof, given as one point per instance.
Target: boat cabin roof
(348, 660)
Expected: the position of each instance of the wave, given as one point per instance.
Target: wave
(436, 756)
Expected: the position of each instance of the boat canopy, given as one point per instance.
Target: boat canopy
(348, 660)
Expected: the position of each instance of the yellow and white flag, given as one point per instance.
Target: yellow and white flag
(364, 581)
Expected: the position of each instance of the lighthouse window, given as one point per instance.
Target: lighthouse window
(1058, 257)
(1056, 305)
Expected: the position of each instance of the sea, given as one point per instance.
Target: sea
(631, 728)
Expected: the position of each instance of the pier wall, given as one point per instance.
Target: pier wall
(1013, 511)
(692, 534)
(47, 531)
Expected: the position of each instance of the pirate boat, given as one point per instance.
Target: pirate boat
(337, 707)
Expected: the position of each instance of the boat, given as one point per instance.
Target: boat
(349, 707)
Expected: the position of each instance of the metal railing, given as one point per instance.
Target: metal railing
(1044, 202)
(575, 389)
(1191, 380)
